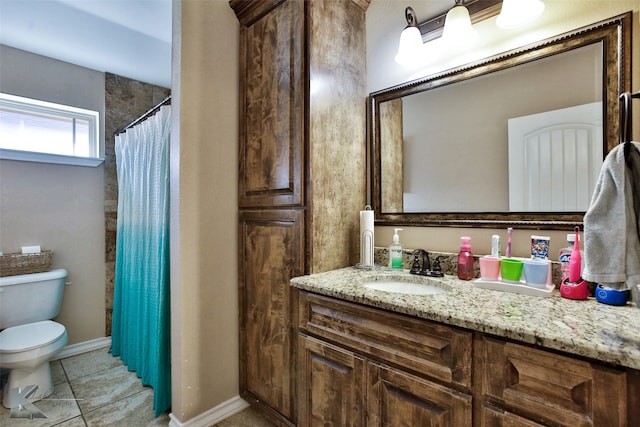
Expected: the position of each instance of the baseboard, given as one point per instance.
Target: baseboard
(83, 347)
(212, 416)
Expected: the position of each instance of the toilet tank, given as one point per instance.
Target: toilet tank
(29, 298)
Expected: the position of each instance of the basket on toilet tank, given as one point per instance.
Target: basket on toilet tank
(13, 264)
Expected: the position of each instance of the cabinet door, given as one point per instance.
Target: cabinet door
(398, 399)
(331, 385)
(271, 246)
(272, 105)
(552, 389)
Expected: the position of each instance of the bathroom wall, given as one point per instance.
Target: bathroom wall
(385, 22)
(59, 207)
(204, 165)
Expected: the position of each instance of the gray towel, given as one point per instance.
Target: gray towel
(611, 224)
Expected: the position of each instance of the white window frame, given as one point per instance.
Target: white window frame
(34, 105)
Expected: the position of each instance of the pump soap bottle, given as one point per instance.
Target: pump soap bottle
(395, 251)
(465, 260)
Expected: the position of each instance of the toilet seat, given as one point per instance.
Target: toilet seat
(30, 336)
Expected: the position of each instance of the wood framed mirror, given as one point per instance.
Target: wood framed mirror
(438, 158)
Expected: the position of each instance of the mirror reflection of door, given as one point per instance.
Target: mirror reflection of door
(555, 158)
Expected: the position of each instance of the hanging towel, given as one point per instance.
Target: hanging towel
(612, 222)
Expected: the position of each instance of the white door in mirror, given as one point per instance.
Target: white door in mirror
(555, 158)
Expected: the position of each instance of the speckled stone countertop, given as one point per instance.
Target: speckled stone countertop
(585, 328)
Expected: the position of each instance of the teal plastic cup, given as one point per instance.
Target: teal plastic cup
(511, 269)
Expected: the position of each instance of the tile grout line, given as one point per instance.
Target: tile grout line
(85, 413)
(73, 392)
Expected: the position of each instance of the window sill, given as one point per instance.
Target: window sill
(28, 156)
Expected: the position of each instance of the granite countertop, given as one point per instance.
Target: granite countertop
(585, 328)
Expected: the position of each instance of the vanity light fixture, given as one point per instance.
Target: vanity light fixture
(518, 12)
(410, 39)
(455, 25)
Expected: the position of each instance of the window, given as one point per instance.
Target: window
(47, 132)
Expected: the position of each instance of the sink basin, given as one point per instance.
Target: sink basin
(402, 287)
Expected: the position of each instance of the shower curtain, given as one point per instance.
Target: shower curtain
(141, 318)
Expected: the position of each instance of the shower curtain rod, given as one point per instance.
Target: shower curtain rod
(150, 112)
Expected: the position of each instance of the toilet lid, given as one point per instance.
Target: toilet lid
(25, 337)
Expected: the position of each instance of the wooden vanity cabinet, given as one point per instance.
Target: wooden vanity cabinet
(365, 367)
(301, 179)
(361, 366)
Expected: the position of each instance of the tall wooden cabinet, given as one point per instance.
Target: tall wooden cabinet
(302, 176)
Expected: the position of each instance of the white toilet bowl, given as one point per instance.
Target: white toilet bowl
(26, 350)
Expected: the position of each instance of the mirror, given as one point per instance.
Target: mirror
(449, 149)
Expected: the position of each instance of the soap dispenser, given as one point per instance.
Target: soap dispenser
(395, 251)
(465, 260)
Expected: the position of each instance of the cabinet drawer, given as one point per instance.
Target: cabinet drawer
(494, 417)
(551, 388)
(426, 348)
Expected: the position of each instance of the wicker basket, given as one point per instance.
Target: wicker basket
(13, 264)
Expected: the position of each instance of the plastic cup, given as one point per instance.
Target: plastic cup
(511, 269)
(489, 268)
(535, 272)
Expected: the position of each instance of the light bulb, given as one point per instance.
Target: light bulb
(410, 45)
(457, 26)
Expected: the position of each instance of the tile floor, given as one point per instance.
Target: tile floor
(96, 389)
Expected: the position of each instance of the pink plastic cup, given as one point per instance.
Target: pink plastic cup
(489, 268)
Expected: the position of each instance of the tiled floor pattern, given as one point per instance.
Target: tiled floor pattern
(97, 389)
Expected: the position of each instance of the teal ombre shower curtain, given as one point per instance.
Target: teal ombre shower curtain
(141, 322)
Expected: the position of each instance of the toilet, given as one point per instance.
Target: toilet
(29, 339)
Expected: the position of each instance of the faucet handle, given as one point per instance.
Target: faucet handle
(437, 270)
(436, 264)
(415, 267)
